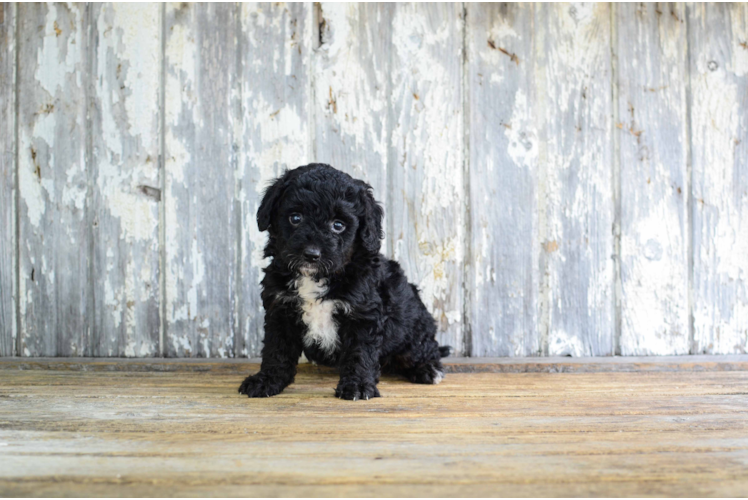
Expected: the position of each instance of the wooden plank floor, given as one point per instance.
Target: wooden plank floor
(187, 432)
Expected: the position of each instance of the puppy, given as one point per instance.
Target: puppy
(330, 294)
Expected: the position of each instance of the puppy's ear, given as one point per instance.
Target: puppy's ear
(370, 224)
(269, 203)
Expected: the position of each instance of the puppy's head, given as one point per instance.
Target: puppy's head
(319, 219)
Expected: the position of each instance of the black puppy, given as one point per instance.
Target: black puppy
(329, 292)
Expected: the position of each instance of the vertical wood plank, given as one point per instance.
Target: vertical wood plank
(653, 156)
(504, 275)
(125, 136)
(55, 241)
(276, 44)
(575, 69)
(7, 179)
(200, 216)
(425, 168)
(351, 90)
(718, 41)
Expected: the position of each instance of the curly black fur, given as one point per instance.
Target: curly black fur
(330, 294)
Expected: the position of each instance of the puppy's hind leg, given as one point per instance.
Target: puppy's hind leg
(422, 364)
(429, 369)
(420, 359)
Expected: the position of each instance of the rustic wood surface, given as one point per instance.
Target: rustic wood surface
(351, 85)
(56, 302)
(573, 57)
(549, 364)
(7, 180)
(653, 138)
(426, 191)
(275, 99)
(201, 216)
(504, 282)
(557, 179)
(73, 433)
(718, 37)
(124, 104)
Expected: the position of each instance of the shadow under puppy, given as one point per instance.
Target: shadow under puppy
(329, 292)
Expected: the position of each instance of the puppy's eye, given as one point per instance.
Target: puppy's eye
(295, 219)
(337, 226)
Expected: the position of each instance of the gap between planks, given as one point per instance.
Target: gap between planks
(703, 363)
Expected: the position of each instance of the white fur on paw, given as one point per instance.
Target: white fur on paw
(436, 375)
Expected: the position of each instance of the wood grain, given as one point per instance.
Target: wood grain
(718, 37)
(201, 219)
(351, 86)
(8, 290)
(55, 299)
(652, 76)
(276, 46)
(513, 198)
(125, 134)
(425, 159)
(573, 47)
(548, 364)
(167, 434)
(504, 277)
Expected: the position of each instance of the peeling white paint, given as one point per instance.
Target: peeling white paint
(654, 323)
(180, 56)
(523, 143)
(52, 181)
(37, 160)
(652, 107)
(174, 273)
(8, 187)
(351, 102)
(30, 189)
(125, 152)
(59, 57)
(426, 137)
(180, 60)
(181, 344)
(275, 132)
(504, 155)
(201, 155)
(577, 198)
(282, 133)
(540, 184)
(561, 343)
(719, 119)
(136, 216)
(74, 191)
(139, 28)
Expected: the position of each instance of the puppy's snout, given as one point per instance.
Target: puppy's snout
(312, 254)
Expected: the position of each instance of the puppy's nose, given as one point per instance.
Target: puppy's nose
(312, 254)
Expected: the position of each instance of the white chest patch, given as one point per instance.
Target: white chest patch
(317, 314)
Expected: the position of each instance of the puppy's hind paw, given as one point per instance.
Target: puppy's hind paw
(427, 374)
(353, 390)
(259, 386)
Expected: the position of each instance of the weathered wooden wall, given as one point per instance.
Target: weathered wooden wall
(8, 293)
(558, 179)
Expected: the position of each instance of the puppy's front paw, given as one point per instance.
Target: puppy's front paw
(354, 390)
(259, 386)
